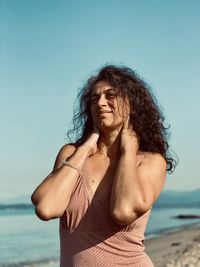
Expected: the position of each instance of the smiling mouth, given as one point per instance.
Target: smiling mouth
(104, 112)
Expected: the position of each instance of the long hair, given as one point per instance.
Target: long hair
(146, 118)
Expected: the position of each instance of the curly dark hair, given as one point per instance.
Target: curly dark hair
(145, 116)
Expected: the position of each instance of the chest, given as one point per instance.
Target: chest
(99, 174)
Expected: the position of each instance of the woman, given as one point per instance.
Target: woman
(104, 185)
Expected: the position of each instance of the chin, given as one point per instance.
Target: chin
(105, 127)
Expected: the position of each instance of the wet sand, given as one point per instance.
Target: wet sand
(180, 248)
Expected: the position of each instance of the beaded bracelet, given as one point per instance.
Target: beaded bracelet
(67, 163)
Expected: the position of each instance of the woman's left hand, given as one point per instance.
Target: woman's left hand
(129, 139)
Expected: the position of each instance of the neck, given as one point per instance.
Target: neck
(109, 143)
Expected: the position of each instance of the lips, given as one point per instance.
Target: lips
(104, 112)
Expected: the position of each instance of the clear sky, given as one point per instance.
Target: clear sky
(49, 48)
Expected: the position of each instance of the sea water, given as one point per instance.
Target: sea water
(27, 241)
(24, 239)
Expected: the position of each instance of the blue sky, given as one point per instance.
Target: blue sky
(49, 48)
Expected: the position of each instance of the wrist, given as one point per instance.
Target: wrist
(72, 166)
(129, 158)
(85, 149)
(129, 150)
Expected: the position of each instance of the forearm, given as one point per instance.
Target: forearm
(127, 198)
(52, 196)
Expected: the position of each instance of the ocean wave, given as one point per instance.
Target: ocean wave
(40, 263)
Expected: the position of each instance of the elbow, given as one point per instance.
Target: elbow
(43, 213)
(123, 216)
(46, 214)
(33, 199)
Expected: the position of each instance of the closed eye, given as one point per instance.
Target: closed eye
(110, 95)
(94, 98)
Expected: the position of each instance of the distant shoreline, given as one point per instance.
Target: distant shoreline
(22, 205)
(170, 230)
(16, 206)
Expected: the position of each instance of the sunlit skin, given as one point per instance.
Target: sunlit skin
(107, 167)
(134, 190)
(107, 108)
(109, 113)
(109, 157)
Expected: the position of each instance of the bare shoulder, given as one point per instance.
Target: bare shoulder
(154, 160)
(67, 149)
(65, 152)
(152, 173)
(153, 168)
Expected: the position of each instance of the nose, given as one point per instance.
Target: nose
(102, 101)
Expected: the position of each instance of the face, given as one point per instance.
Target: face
(109, 111)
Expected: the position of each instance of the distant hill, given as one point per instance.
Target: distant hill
(22, 202)
(23, 199)
(170, 198)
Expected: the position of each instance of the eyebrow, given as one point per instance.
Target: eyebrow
(107, 90)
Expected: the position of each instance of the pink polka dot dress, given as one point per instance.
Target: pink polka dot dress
(89, 237)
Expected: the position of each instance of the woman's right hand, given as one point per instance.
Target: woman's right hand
(91, 142)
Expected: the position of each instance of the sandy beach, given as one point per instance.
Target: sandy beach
(180, 248)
